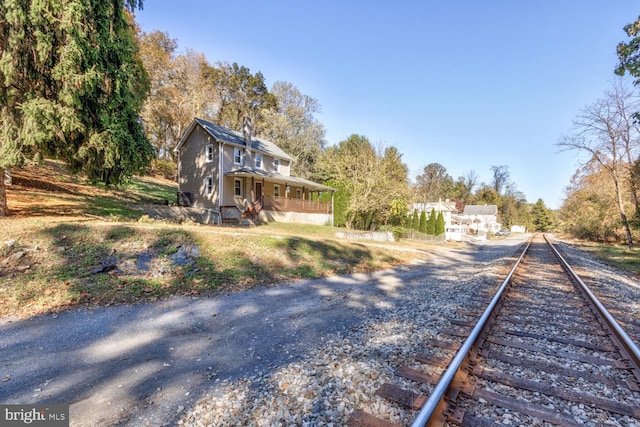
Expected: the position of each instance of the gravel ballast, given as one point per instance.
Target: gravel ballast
(302, 354)
(341, 374)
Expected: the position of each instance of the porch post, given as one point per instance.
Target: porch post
(253, 191)
(220, 179)
(286, 194)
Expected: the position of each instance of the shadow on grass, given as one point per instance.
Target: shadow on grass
(122, 264)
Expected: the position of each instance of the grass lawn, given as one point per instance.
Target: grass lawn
(68, 243)
(619, 256)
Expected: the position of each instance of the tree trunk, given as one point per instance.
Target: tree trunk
(4, 208)
(634, 187)
(623, 216)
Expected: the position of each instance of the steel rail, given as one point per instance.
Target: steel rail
(628, 345)
(445, 381)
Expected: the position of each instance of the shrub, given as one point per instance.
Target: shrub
(165, 168)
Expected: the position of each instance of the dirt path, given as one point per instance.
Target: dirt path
(146, 364)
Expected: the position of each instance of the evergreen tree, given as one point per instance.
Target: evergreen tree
(542, 219)
(415, 223)
(440, 224)
(340, 202)
(431, 223)
(72, 85)
(398, 209)
(423, 223)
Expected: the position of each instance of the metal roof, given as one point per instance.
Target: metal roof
(480, 210)
(220, 133)
(438, 206)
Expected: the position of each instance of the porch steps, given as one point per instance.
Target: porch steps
(247, 222)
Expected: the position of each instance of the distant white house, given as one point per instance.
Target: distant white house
(482, 219)
(458, 228)
(475, 221)
(518, 229)
(447, 208)
(454, 227)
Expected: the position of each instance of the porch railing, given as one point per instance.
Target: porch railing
(271, 203)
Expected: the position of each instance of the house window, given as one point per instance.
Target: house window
(209, 153)
(259, 161)
(237, 188)
(208, 183)
(276, 165)
(276, 191)
(237, 156)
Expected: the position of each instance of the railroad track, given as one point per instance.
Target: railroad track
(544, 352)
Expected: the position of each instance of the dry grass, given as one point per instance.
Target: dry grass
(53, 245)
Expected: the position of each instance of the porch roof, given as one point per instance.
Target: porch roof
(461, 219)
(279, 178)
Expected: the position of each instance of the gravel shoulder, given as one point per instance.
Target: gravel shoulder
(278, 355)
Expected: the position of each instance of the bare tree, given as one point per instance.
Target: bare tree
(293, 126)
(433, 184)
(626, 103)
(470, 180)
(606, 131)
(500, 178)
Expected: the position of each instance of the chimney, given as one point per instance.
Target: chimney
(247, 131)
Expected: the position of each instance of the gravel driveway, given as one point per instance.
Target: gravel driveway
(164, 363)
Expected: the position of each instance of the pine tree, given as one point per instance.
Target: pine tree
(423, 223)
(431, 223)
(440, 224)
(415, 224)
(72, 85)
(542, 219)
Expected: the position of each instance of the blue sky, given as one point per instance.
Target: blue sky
(466, 84)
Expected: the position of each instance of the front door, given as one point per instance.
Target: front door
(258, 190)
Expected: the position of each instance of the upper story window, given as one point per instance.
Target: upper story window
(276, 165)
(259, 161)
(208, 182)
(209, 152)
(237, 156)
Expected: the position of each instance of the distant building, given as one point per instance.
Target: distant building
(454, 227)
(518, 229)
(482, 219)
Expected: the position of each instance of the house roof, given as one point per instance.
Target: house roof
(480, 210)
(460, 219)
(438, 206)
(276, 177)
(220, 133)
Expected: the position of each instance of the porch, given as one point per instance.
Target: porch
(282, 209)
(272, 203)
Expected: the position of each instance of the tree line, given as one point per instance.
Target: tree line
(80, 81)
(602, 201)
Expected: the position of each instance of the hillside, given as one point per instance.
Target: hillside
(68, 244)
(50, 190)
